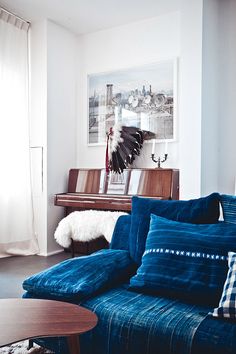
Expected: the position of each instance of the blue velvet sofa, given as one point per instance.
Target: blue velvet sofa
(154, 291)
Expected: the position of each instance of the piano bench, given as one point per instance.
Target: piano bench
(85, 248)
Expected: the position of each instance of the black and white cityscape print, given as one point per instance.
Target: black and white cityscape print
(141, 96)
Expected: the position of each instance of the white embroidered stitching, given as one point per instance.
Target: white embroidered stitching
(187, 253)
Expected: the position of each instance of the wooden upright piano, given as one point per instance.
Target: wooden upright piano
(94, 189)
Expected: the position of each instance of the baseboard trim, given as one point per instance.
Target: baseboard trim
(50, 253)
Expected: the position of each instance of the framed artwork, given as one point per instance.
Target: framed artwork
(144, 97)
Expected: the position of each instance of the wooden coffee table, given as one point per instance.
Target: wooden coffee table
(22, 319)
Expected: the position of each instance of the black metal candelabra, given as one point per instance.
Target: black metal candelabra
(159, 160)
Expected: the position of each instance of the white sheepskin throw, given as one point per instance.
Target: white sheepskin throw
(86, 226)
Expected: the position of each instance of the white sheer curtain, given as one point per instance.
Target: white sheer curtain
(16, 213)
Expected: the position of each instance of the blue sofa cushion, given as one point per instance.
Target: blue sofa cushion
(81, 277)
(227, 304)
(134, 323)
(120, 237)
(185, 261)
(198, 211)
(214, 336)
(228, 203)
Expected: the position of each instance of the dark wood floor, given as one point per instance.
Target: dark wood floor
(13, 270)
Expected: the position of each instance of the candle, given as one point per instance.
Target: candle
(153, 146)
(166, 147)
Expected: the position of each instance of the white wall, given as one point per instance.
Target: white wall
(61, 118)
(226, 158)
(218, 146)
(202, 35)
(190, 99)
(177, 34)
(38, 128)
(126, 46)
(210, 97)
(53, 124)
(208, 59)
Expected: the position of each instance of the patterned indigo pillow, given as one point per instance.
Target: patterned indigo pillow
(198, 211)
(227, 304)
(120, 237)
(228, 203)
(81, 277)
(185, 261)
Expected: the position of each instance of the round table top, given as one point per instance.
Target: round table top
(22, 319)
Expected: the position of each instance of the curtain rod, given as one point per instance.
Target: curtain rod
(12, 14)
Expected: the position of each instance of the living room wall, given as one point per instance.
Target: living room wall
(126, 46)
(218, 97)
(168, 36)
(226, 156)
(53, 121)
(201, 36)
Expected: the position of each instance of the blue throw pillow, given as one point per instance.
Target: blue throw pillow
(228, 203)
(186, 261)
(120, 237)
(227, 305)
(198, 211)
(81, 277)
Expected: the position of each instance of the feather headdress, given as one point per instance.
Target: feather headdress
(123, 144)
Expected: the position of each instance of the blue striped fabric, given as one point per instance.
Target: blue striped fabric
(185, 261)
(139, 324)
(228, 203)
(81, 277)
(198, 211)
(227, 304)
(215, 336)
(132, 323)
(120, 237)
